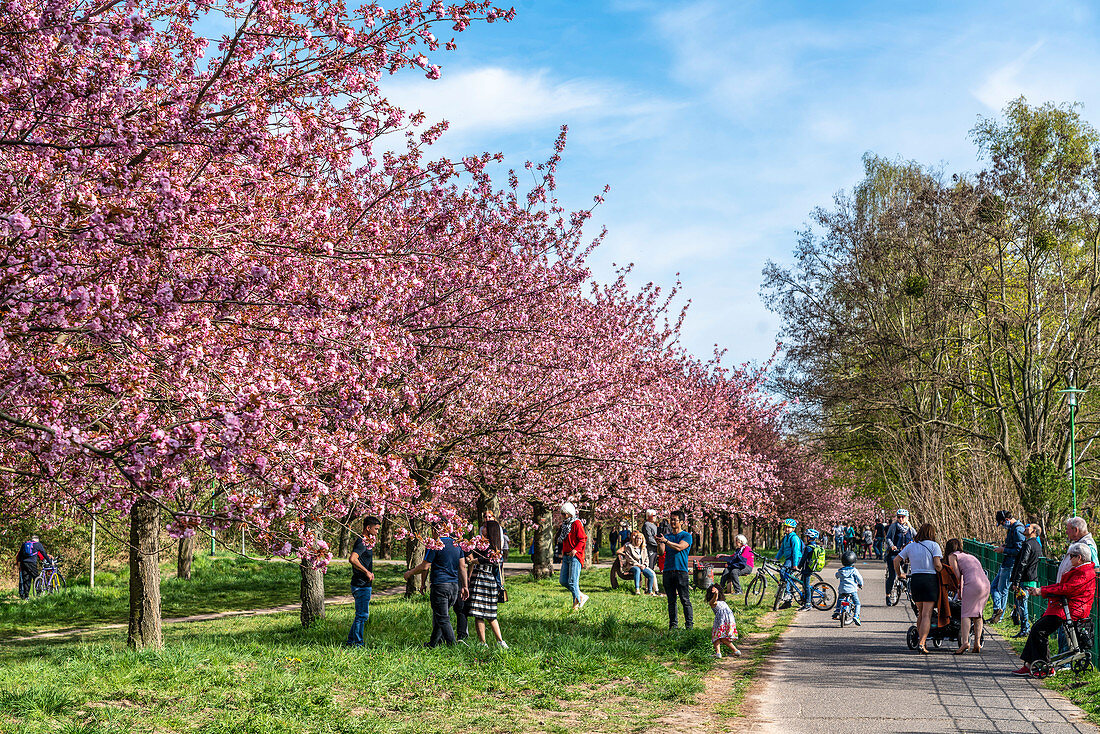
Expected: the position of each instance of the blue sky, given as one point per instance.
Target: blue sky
(720, 125)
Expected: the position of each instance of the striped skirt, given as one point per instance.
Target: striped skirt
(483, 592)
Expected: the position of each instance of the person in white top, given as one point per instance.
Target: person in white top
(925, 561)
(1077, 530)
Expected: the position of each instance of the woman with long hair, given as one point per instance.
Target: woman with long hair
(484, 587)
(925, 561)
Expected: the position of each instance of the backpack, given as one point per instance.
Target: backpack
(29, 551)
(817, 557)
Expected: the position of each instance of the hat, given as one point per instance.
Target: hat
(902, 513)
(790, 523)
(567, 508)
(812, 534)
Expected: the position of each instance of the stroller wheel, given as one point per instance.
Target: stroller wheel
(1082, 665)
(912, 637)
(1040, 668)
(936, 642)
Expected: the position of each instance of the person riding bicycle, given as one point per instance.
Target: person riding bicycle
(789, 556)
(30, 553)
(806, 566)
(898, 535)
(850, 583)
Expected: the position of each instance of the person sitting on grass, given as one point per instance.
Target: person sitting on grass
(724, 631)
(634, 557)
(851, 581)
(1078, 586)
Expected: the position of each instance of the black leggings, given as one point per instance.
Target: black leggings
(1036, 646)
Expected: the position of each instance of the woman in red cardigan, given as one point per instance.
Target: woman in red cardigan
(1078, 585)
(572, 538)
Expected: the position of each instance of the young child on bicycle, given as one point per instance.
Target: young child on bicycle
(806, 566)
(724, 631)
(850, 583)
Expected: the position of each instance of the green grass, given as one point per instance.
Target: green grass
(219, 584)
(1083, 690)
(613, 666)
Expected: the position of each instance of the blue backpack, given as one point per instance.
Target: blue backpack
(29, 552)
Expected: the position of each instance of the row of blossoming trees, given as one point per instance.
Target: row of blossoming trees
(228, 297)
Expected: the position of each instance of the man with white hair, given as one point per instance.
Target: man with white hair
(1077, 530)
(572, 538)
(30, 553)
(649, 534)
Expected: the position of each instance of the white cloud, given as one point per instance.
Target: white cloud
(1004, 83)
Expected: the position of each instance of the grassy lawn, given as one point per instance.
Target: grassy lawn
(219, 584)
(613, 666)
(1083, 690)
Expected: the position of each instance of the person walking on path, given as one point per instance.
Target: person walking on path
(789, 556)
(1014, 541)
(1025, 574)
(724, 631)
(30, 553)
(973, 591)
(1078, 587)
(649, 533)
(572, 538)
(485, 587)
(897, 536)
(633, 557)
(880, 538)
(676, 545)
(925, 561)
(448, 586)
(362, 578)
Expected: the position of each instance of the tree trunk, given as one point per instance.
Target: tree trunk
(542, 563)
(312, 587)
(753, 534)
(707, 540)
(144, 631)
(343, 548)
(414, 553)
(385, 539)
(312, 593)
(522, 537)
(487, 499)
(589, 529)
(599, 543)
(185, 553)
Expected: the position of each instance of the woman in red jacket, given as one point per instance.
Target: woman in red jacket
(1078, 585)
(572, 538)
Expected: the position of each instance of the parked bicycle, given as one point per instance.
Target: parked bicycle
(49, 578)
(822, 594)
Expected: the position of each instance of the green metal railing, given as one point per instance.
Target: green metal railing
(1048, 573)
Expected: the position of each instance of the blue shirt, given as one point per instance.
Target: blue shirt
(677, 560)
(445, 562)
(790, 549)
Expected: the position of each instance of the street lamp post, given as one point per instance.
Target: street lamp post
(1072, 392)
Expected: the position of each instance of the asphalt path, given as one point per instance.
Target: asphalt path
(865, 679)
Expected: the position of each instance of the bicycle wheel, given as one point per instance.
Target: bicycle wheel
(894, 595)
(39, 587)
(843, 618)
(57, 583)
(822, 596)
(754, 592)
(778, 599)
(815, 578)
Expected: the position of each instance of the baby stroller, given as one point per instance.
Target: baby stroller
(940, 632)
(1078, 654)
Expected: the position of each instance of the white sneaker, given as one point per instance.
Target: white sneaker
(503, 644)
(584, 600)
(483, 644)
(718, 654)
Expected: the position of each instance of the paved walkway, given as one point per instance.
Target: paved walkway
(864, 679)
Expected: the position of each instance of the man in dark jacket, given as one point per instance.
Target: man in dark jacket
(1014, 541)
(30, 553)
(1025, 574)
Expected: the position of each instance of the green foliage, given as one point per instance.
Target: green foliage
(1048, 489)
(612, 667)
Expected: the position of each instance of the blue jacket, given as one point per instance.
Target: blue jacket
(900, 537)
(790, 549)
(850, 580)
(1014, 540)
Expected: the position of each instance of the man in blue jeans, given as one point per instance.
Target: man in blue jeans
(449, 586)
(362, 578)
(677, 582)
(1014, 541)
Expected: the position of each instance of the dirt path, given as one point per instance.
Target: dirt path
(329, 601)
(708, 715)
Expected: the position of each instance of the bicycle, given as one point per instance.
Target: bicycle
(758, 586)
(49, 579)
(846, 609)
(900, 586)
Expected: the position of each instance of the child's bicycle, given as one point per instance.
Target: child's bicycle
(845, 609)
(765, 570)
(822, 595)
(49, 579)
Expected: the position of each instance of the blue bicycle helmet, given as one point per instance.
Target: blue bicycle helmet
(812, 534)
(790, 523)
